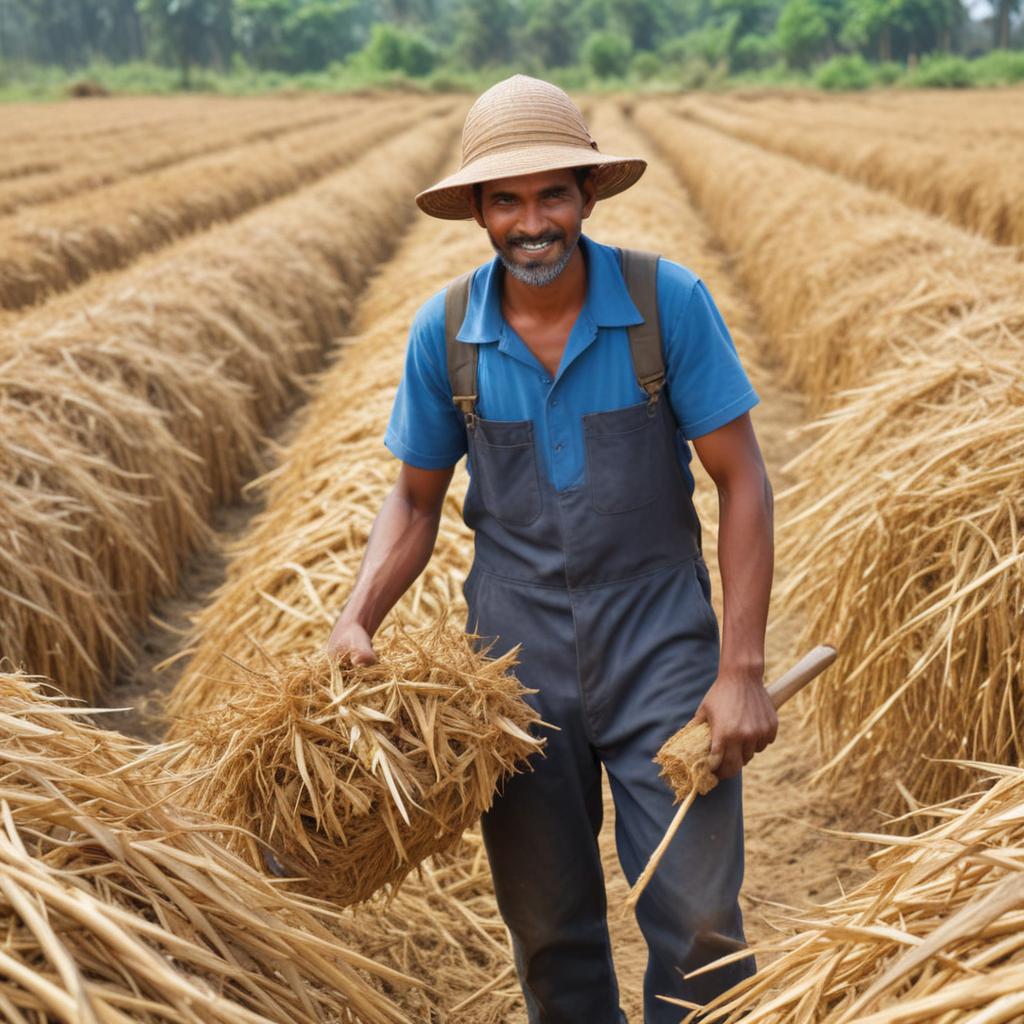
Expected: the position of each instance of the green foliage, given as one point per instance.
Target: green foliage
(844, 73)
(392, 48)
(645, 66)
(1000, 67)
(942, 71)
(751, 53)
(607, 54)
(803, 32)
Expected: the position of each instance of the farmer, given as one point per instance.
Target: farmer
(575, 397)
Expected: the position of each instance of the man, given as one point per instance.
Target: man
(575, 411)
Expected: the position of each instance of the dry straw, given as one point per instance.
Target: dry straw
(936, 936)
(906, 532)
(920, 560)
(49, 165)
(353, 775)
(977, 187)
(117, 907)
(843, 276)
(128, 421)
(55, 246)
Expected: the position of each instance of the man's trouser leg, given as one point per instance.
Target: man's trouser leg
(541, 834)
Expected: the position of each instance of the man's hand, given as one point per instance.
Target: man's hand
(350, 642)
(742, 719)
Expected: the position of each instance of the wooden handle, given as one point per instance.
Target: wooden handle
(809, 667)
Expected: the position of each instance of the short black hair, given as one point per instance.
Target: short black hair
(581, 174)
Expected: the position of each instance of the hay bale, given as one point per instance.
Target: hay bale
(116, 906)
(936, 936)
(352, 775)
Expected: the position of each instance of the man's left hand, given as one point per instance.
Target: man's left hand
(742, 719)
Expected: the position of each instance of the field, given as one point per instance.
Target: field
(203, 312)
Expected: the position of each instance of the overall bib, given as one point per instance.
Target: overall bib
(604, 587)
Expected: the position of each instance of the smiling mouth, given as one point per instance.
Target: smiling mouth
(536, 247)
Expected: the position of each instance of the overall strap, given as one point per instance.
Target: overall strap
(462, 357)
(640, 270)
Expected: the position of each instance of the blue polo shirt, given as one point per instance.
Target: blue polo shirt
(705, 382)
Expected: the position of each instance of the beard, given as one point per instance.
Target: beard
(535, 272)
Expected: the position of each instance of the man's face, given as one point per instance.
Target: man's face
(534, 221)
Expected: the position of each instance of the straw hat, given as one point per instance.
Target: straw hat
(521, 126)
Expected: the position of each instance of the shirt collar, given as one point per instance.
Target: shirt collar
(607, 300)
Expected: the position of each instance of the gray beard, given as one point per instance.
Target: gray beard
(538, 275)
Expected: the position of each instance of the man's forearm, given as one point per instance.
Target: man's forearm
(746, 561)
(397, 551)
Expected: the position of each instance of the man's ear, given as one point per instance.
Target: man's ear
(589, 191)
(474, 207)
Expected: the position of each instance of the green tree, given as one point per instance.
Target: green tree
(393, 48)
(1001, 22)
(607, 54)
(484, 32)
(183, 29)
(803, 32)
(549, 33)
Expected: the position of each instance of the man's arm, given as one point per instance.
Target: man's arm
(397, 551)
(737, 707)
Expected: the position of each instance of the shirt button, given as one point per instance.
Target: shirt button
(545, 380)
(558, 447)
(554, 401)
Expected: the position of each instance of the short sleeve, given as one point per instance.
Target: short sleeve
(426, 429)
(707, 384)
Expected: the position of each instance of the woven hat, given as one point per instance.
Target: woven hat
(521, 126)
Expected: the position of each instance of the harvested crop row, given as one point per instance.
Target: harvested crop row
(988, 117)
(51, 248)
(287, 578)
(976, 187)
(126, 422)
(844, 276)
(936, 936)
(861, 291)
(117, 906)
(93, 166)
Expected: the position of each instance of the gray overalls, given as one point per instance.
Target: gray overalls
(604, 587)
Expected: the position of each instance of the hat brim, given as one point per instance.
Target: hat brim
(450, 198)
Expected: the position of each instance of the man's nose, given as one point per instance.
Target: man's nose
(532, 221)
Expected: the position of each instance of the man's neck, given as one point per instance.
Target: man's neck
(552, 301)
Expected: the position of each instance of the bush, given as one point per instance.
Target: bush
(942, 71)
(645, 66)
(888, 72)
(844, 73)
(1000, 67)
(391, 48)
(607, 54)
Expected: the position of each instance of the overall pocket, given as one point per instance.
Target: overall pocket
(626, 457)
(504, 463)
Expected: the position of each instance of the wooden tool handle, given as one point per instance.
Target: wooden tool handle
(807, 668)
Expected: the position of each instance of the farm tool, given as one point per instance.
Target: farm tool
(686, 761)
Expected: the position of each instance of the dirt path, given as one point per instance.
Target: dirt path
(789, 861)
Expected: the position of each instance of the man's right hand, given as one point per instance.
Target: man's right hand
(350, 642)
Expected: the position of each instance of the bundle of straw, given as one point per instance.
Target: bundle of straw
(117, 907)
(936, 936)
(925, 579)
(131, 419)
(352, 775)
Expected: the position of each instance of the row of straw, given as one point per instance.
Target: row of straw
(904, 541)
(50, 248)
(287, 579)
(126, 422)
(40, 169)
(935, 936)
(975, 186)
(118, 906)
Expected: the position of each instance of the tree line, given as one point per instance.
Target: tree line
(610, 38)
